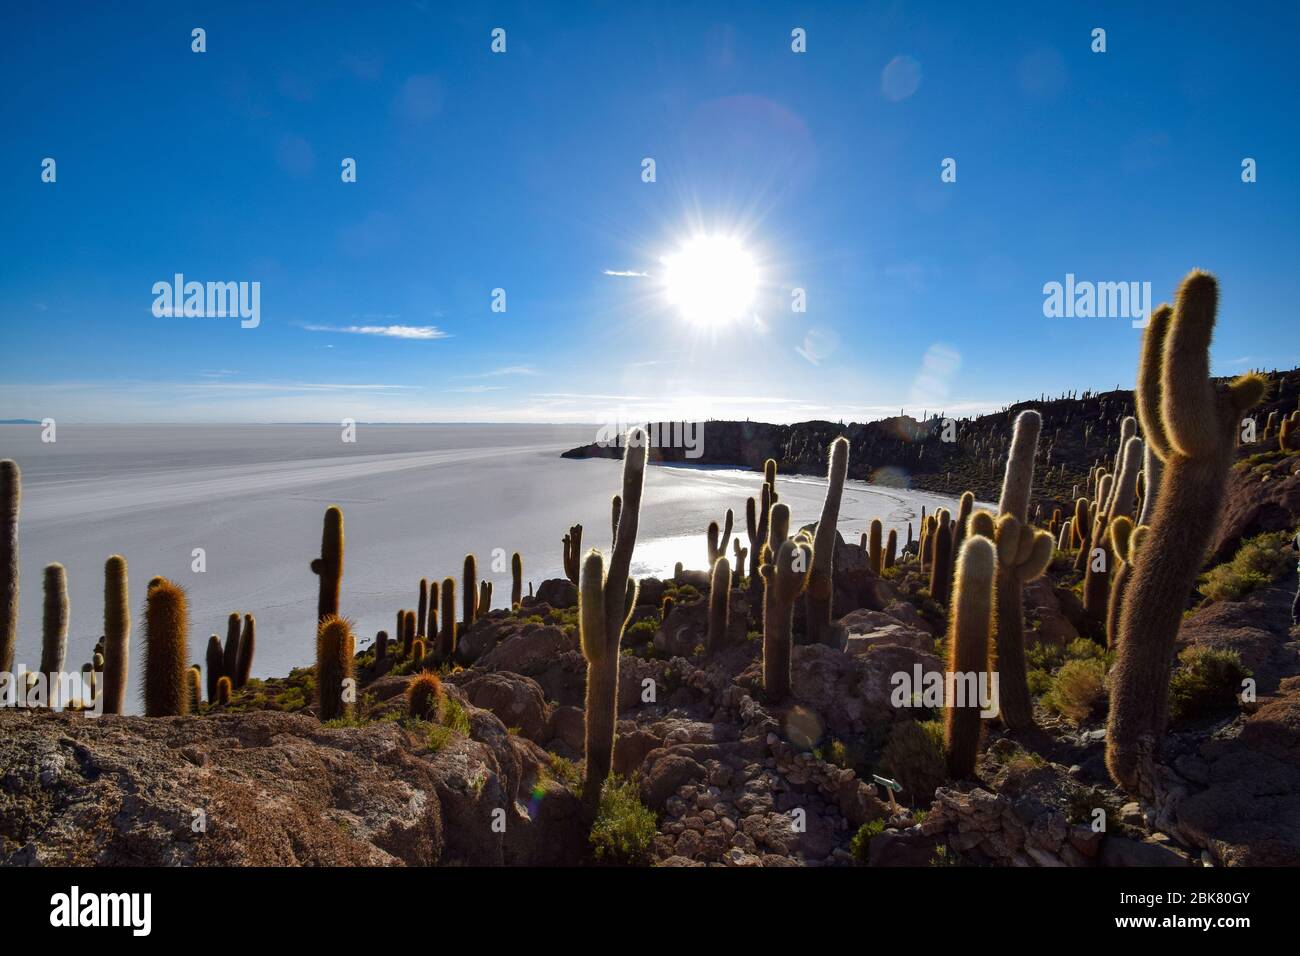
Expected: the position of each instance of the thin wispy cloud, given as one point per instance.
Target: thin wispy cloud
(627, 274)
(475, 389)
(506, 370)
(424, 332)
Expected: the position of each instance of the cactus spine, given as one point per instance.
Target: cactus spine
(329, 566)
(719, 605)
(605, 603)
(516, 580)
(244, 662)
(1191, 424)
(11, 493)
(968, 651)
(166, 639)
(117, 634)
(785, 572)
(817, 603)
(334, 650)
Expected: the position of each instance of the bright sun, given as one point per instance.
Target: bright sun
(711, 279)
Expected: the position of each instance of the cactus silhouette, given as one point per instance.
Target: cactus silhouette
(446, 647)
(431, 622)
(484, 599)
(785, 572)
(117, 634)
(891, 548)
(230, 652)
(1023, 554)
(740, 554)
(422, 609)
(604, 605)
(1191, 425)
(615, 509)
(215, 663)
(334, 661)
(719, 605)
(718, 545)
(54, 624)
(573, 553)
(11, 493)
(941, 560)
(517, 580)
(1096, 578)
(425, 698)
(244, 660)
(820, 587)
(1018, 481)
(381, 646)
(968, 651)
(166, 639)
(223, 690)
(408, 633)
(329, 566)
(469, 592)
(959, 528)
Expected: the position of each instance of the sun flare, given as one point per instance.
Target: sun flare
(711, 279)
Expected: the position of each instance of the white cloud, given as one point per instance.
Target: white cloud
(387, 331)
(627, 274)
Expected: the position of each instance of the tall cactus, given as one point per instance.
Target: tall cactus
(1123, 495)
(446, 647)
(717, 544)
(821, 588)
(719, 605)
(516, 580)
(214, 663)
(968, 650)
(573, 553)
(194, 687)
(247, 647)
(329, 566)
(785, 571)
(11, 493)
(891, 548)
(54, 624)
(1023, 554)
(230, 665)
(1191, 424)
(1018, 480)
(606, 601)
(875, 554)
(941, 559)
(422, 609)
(469, 592)
(166, 639)
(1153, 471)
(335, 647)
(1124, 542)
(117, 634)
(959, 530)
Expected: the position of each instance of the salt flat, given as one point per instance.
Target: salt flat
(415, 498)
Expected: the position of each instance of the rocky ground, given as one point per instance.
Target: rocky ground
(730, 779)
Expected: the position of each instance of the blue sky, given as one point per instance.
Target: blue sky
(523, 171)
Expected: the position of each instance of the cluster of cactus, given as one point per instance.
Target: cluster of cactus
(820, 587)
(717, 540)
(605, 603)
(573, 553)
(1191, 425)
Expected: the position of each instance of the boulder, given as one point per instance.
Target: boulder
(558, 593)
(515, 699)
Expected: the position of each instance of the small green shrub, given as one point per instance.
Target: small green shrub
(624, 828)
(1040, 682)
(1206, 681)
(1077, 689)
(913, 756)
(640, 632)
(1082, 649)
(1258, 563)
(861, 842)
